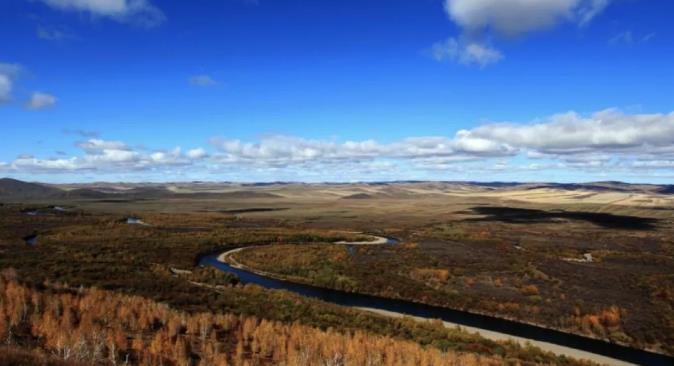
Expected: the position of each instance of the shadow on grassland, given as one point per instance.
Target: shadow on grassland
(525, 216)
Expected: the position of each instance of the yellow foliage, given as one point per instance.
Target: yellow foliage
(95, 326)
(529, 290)
(430, 275)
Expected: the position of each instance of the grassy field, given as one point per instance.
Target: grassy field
(80, 249)
(524, 264)
(493, 250)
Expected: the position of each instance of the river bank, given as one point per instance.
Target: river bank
(229, 259)
(489, 327)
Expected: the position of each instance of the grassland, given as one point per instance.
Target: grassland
(521, 264)
(493, 250)
(78, 249)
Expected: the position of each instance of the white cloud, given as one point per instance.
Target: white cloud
(590, 9)
(41, 100)
(508, 17)
(481, 54)
(516, 17)
(606, 142)
(26, 163)
(202, 80)
(106, 155)
(141, 12)
(469, 144)
(8, 74)
(173, 157)
(654, 164)
(470, 53)
(102, 7)
(281, 151)
(571, 133)
(115, 156)
(96, 145)
(198, 153)
(486, 19)
(573, 140)
(5, 88)
(284, 150)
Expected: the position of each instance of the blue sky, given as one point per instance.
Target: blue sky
(150, 90)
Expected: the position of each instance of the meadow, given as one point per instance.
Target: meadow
(460, 247)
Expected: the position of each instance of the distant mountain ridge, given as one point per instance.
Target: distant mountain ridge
(13, 189)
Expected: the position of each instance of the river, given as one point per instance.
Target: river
(495, 328)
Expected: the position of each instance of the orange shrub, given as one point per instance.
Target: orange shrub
(529, 290)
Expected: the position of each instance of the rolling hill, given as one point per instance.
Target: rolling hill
(16, 189)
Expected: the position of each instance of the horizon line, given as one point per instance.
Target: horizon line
(397, 181)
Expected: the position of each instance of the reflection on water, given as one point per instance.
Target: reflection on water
(30, 239)
(392, 241)
(134, 221)
(50, 210)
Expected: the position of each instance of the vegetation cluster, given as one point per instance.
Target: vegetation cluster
(103, 256)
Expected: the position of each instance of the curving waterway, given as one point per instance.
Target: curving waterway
(556, 341)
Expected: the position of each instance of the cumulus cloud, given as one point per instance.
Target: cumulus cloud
(141, 12)
(484, 19)
(202, 80)
(516, 17)
(173, 157)
(198, 153)
(8, 74)
(94, 146)
(286, 150)
(41, 100)
(109, 156)
(606, 141)
(282, 151)
(571, 133)
(5, 88)
(508, 17)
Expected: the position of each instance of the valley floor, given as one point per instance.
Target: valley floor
(500, 251)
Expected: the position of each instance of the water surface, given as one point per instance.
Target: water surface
(454, 316)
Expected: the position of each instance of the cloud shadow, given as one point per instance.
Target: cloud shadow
(528, 216)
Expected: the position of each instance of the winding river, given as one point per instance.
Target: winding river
(491, 327)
